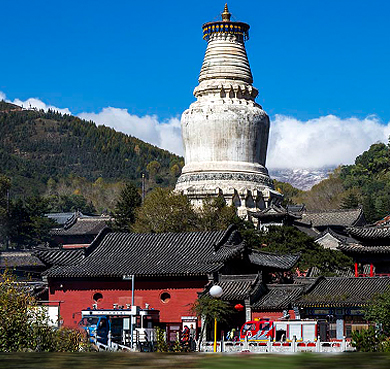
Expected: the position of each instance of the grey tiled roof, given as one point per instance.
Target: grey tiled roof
(55, 256)
(279, 296)
(152, 254)
(31, 287)
(337, 236)
(305, 228)
(364, 249)
(370, 233)
(227, 252)
(274, 261)
(239, 287)
(343, 291)
(273, 210)
(12, 259)
(61, 218)
(298, 209)
(147, 254)
(339, 217)
(83, 226)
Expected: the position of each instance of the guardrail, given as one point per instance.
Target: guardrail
(278, 347)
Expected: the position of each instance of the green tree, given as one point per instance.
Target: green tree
(125, 208)
(161, 343)
(289, 240)
(165, 211)
(215, 215)
(20, 225)
(153, 168)
(175, 170)
(23, 324)
(327, 194)
(369, 340)
(5, 185)
(288, 191)
(350, 201)
(370, 212)
(378, 311)
(369, 177)
(27, 224)
(375, 338)
(210, 309)
(69, 203)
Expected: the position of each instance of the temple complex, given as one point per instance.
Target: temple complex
(225, 132)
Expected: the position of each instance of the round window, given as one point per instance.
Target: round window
(97, 296)
(165, 297)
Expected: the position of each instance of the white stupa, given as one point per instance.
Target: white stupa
(225, 132)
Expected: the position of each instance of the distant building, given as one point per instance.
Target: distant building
(314, 222)
(24, 264)
(274, 215)
(76, 229)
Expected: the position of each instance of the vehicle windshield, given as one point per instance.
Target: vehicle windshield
(248, 327)
(88, 321)
(264, 326)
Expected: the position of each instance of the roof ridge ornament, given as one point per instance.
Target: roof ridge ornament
(226, 14)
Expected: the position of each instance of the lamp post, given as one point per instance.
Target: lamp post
(216, 292)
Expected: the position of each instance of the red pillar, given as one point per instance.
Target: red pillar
(356, 270)
(371, 270)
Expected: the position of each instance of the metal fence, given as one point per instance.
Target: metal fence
(278, 347)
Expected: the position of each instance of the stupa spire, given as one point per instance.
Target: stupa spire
(226, 15)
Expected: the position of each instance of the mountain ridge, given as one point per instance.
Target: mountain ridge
(37, 145)
(301, 178)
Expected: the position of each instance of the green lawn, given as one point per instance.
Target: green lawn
(103, 360)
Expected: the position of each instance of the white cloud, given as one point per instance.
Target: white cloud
(170, 136)
(166, 135)
(321, 142)
(34, 102)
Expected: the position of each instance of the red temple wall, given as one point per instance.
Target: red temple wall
(78, 295)
(273, 315)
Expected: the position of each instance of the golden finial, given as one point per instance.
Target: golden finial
(226, 15)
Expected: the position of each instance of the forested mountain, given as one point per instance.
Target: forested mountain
(79, 163)
(38, 148)
(365, 183)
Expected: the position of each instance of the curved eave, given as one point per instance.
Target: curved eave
(360, 249)
(148, 275)
(323, 304)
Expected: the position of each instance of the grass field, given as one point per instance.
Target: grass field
(104, 360)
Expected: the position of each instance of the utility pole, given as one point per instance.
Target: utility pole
(143, 181)
(7, 223)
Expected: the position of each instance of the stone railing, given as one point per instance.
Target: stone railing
(278, 347)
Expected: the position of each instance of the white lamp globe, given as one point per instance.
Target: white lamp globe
(216, 291)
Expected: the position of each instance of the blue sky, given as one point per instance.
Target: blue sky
(310, 60)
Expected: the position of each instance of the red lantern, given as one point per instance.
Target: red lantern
(239, 307)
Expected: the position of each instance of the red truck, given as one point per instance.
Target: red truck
(283, 330)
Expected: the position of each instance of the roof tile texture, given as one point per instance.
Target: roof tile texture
(344, 291)
(339, 217)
